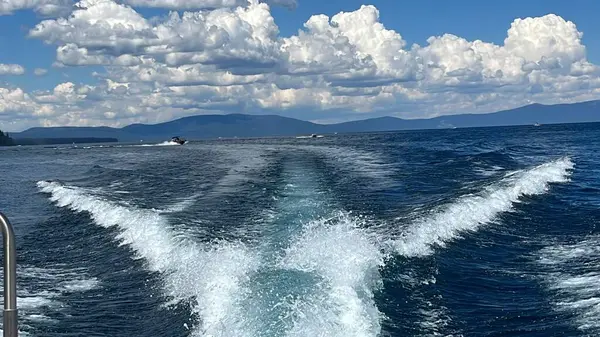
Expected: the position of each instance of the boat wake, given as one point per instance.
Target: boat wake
(321, 282)
(321, 279)
(574, 280)
(165, 143)
(470, 212)
(210, 276)
(346, 259)
(41, 293)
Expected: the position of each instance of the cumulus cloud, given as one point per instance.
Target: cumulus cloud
(18, 110)
(350, 49)
(233, 59)
(11, 69)
(104, 32)
(55, 8)
(50, 8)
(203, 4)
(534, 48)
(187, 4)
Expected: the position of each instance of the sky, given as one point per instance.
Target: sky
(107, 62)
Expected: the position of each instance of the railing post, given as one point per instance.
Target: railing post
(10, 279)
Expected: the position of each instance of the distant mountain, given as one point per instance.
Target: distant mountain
(527, 115)
(193, 127)
(55, 140)
(213, 126)
(240, 125)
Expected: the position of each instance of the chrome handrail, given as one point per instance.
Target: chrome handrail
(10, 279)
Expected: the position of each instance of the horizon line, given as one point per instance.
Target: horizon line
(308, 121)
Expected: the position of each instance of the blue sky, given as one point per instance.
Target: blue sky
(471, 19)
(403, 83)
(414, 20)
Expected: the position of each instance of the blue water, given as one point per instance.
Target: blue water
(463, 232)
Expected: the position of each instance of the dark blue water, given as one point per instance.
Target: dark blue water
(464, 232)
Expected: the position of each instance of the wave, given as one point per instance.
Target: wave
(35, 305)
(574, 280)
(209, 276)
(470, 212)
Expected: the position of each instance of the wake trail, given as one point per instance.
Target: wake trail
(321, 267)
(210, 276)
(573, 280)
(321, 275)
(346, 258)
(165, 143)
(470, 212)
(321, 282)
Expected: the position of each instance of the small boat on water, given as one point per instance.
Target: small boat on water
(537, 124)
(178, 140)
(314, 135)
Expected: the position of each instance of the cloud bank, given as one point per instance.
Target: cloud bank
(220, 56)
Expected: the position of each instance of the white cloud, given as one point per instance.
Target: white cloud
(18, 110)
(233, 59)
(186, 4)
(55, 8)
(42, 7)
(40, 71)
(101, 31)
(11, 69)
(203, 4)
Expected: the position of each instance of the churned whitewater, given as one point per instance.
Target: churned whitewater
(461, 232)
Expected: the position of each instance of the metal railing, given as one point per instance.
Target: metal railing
(10, 279)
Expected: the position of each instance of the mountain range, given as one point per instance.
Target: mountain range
(241, 125)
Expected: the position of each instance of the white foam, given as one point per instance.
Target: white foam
(470, 212)
(42, 290)
(79, 285)
(42, 319)
(560, 254)
(208, 275)
(365, 164)
(37, 300)
(573, 279)
(165, 143)
(489, 171)
(240, 162)
(434, 318)
(181, 205)
(348, 260)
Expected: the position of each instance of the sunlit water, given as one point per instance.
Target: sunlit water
(463, 232)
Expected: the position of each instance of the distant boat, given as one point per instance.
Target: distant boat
(314, 135)
(537, 124)
(178, 140)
